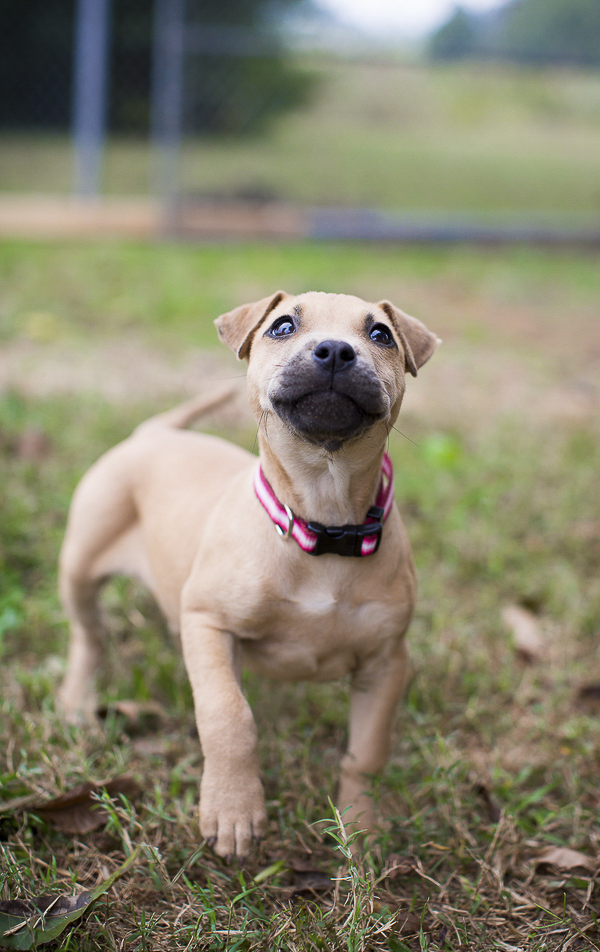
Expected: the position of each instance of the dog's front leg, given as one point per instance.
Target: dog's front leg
(375, 692)
(232, 803)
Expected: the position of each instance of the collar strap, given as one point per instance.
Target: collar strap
(315, 538)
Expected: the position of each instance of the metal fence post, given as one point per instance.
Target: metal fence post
(167, 100)
(90, 93)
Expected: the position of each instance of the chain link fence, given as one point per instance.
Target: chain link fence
(158, 71)
(209, 111)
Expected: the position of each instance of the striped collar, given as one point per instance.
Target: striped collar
(317, 539)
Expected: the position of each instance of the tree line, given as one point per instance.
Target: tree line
(532, 32)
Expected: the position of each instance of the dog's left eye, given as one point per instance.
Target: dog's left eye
(282, 327)
(381, 335)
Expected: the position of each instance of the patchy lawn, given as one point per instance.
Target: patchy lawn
(494, 771)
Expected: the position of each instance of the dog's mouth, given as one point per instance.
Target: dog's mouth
(329, 417)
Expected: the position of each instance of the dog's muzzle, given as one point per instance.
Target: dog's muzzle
(328, 394)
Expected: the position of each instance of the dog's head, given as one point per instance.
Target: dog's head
(329, 366)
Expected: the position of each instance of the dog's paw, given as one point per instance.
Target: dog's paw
(232, 813)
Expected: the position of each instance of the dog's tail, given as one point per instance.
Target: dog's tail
(181, 416)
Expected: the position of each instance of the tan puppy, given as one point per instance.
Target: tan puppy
(186, 514)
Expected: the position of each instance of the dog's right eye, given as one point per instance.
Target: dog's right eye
(282, 327)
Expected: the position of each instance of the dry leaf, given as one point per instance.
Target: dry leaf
(525, 631)
(310, 882)
(409, 924)
(29, 923)
(300, 863)
(137, 713)
(307, 878)
(589, 693)
(493, 810)
(75, 811)
(398, 865)
(566, 860)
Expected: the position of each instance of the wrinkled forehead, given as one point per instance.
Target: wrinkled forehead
(336, 315)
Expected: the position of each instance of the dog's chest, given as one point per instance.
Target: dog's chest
(316, 631)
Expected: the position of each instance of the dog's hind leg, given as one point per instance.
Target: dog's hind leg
(77, 696)
(102, 539)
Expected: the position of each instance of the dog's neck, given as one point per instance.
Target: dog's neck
(331, 488)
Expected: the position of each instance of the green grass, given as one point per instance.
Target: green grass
(170, 293)
(494, 759)
(478, 139)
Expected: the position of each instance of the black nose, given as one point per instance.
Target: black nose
(334, 355)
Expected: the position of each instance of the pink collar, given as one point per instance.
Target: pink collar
(315, 538)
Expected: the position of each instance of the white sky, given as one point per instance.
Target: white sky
(411, 17)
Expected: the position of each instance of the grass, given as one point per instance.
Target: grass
(170, 293)
(495, 757)
(478, 139)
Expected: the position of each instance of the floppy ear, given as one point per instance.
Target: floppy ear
(417, 340)
(237, 328)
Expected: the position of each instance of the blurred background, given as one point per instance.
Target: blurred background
(326, 118)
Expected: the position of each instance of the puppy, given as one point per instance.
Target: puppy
(295, 565)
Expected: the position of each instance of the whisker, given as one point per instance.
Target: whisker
(404, 435)
(257, 431)
(265, 416)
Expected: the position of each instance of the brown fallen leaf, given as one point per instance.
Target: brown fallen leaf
(310, 882)
(409, 924)
(58, 905)
(306, 878)
(396, 865)
(75, 811)
(31, 922)
(566, 860)
(590, 693)
(137, 714)
(493, 810)
(525, 630)
(299, 863)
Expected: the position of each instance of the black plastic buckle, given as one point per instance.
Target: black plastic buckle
(347, 540)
